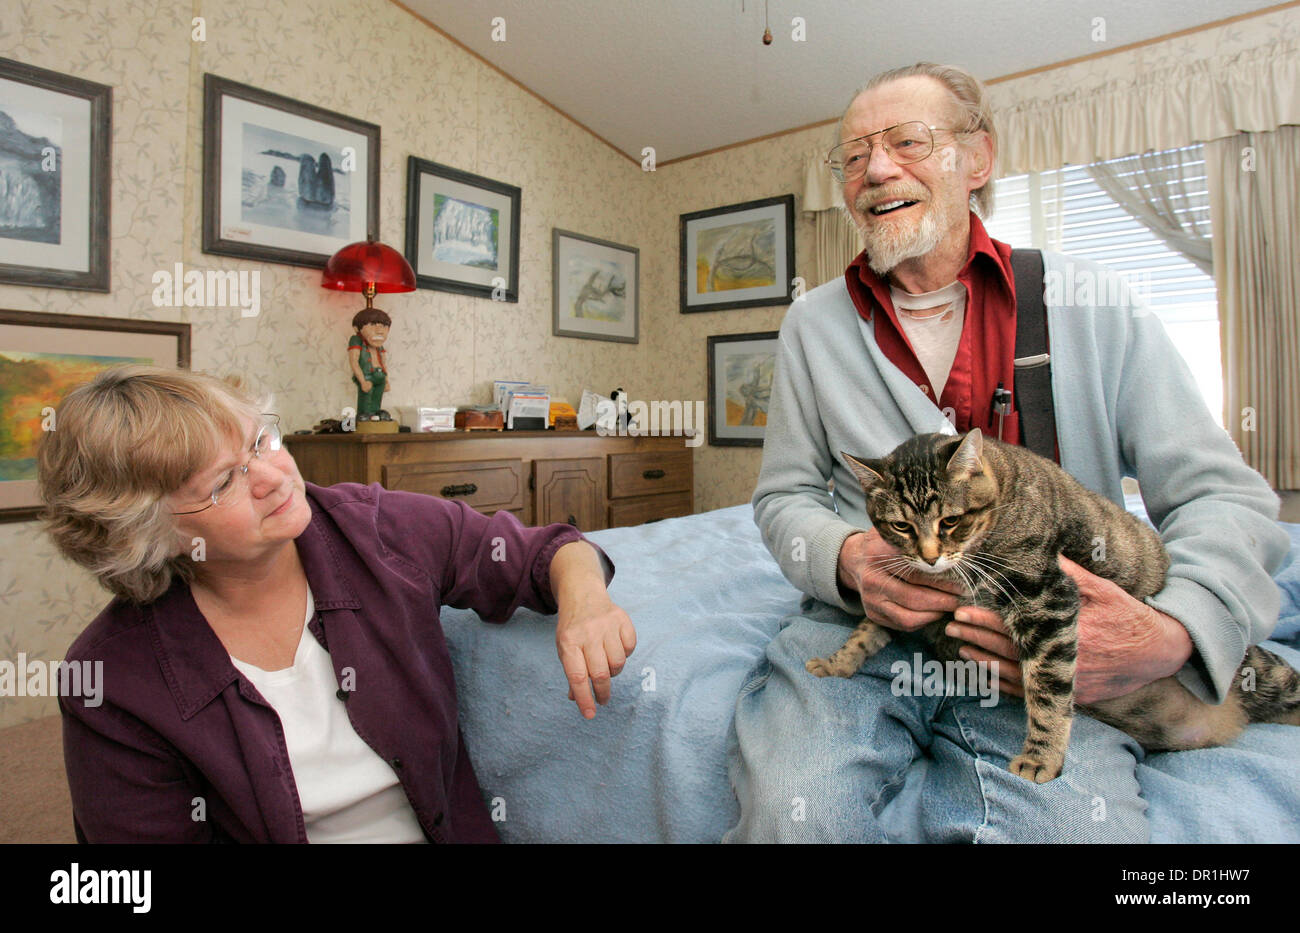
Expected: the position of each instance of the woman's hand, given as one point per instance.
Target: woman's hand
(593, 636)
(593, 640)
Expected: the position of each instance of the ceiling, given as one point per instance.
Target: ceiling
(687, 76)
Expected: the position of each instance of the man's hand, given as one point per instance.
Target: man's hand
(893, 594)
(593, 636)
(1124, 644)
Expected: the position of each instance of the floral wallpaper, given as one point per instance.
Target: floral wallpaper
(372, 60)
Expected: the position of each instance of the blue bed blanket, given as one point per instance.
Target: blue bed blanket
(706, 597)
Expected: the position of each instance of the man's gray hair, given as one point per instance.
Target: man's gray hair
(974, 113)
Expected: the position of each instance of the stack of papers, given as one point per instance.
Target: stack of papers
(522, 400)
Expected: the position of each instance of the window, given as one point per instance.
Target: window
(1066, 211)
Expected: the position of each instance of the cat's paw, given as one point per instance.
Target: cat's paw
(1037, 768)
(826, 667)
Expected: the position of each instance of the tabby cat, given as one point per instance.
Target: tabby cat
(994, 517)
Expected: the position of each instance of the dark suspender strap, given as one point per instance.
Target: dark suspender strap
(1033, 389)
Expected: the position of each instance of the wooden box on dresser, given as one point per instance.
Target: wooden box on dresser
(579, 477)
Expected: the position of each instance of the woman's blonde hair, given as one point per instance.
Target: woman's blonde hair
(121, 443)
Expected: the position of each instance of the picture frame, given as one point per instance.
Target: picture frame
(257, 203)
(56, 135)
(739, 256)
(740, 384)
(455, 225)
(595, 288)
(42, 355)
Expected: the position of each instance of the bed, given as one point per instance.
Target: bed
(706, 597)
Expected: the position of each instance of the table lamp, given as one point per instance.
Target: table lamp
(369, 267)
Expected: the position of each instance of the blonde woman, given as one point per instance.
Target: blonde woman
(274, 669)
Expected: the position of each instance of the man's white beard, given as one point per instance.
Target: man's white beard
(887, 248)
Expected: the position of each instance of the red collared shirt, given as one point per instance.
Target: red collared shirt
(987, 350)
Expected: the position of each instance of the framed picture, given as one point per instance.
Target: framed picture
(740, 256)
(55, 136)
(284, 181)
(42, 356)
(740, 384)
(462, 231)
(595, 288)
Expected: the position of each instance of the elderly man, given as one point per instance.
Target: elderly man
(915, 338)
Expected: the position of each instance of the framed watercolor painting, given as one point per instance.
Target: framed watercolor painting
(284, 181)
(462, 231)
(42, 356)
(740, 256)
(55, 138)
(595, 288)
(740, 384)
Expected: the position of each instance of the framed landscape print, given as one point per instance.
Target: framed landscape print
(55, 137)
(740, 256)
(740, 384)
(595, 288)
(284, 181)
(42, 356)
(462, 231)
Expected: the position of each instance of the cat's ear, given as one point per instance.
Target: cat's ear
(867, 476)
(965, 461)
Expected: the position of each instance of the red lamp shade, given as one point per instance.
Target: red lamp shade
(368, 266)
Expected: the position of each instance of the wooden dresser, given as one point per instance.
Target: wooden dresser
(578, 477)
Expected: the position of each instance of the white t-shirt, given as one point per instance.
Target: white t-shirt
(348, 793)
(936, 336)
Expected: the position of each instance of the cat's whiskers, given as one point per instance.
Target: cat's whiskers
(997, 561)
(990, 581)
(993, 576)
(894, 565)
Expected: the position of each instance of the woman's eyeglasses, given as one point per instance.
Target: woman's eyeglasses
(268, 441)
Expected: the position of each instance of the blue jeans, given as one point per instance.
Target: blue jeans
(846, 760)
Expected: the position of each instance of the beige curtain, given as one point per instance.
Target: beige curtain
(1161, 108)
(836, 242)
(1255, 212)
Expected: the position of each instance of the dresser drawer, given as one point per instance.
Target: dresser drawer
(649, 509)
(651, 473)
(486, 485)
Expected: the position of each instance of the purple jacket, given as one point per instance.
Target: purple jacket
(178, 722)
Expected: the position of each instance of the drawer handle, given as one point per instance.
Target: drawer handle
(653, 474)
(464, 489)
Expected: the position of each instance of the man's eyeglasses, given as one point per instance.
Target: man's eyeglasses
(268, 441)
(905, 143)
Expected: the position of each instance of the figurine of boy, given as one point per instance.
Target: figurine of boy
(366, 358)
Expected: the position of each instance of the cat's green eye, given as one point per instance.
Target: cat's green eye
(901, 527)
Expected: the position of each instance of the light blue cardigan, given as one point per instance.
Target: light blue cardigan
(1126, 405)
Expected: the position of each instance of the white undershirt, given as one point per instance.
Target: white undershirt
(934, 338)
(348, 793)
